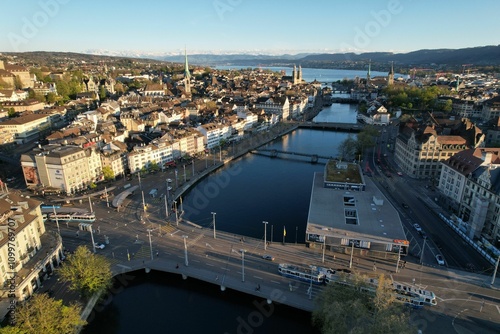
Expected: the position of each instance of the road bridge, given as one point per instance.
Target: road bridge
(346, 127)
(273, 153)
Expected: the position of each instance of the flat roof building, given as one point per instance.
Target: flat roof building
(347, 211)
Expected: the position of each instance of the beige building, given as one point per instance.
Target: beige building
(68, 168)
(26, 128)
(420, 148)
(470, 186)
(28, 253)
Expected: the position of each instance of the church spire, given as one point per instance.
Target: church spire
(390, 77)
(186, 66)
(187, 74)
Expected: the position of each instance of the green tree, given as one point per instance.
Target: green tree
(357, 307)
(18, 84)
(11, 113)
(448, 105)
(51, 98)
(88, 273)
(42, 314)
(108, 173)
(153, 166)
(102, 92)
(348, 148)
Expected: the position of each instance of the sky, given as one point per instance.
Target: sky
(252, 26)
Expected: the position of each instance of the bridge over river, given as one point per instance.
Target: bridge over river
(273, 153)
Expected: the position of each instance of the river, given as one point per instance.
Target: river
(258, 189)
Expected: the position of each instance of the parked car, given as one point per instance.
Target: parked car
(268, 257)
(404, 205)
(417, 227)
(439, 259)
(100, 246)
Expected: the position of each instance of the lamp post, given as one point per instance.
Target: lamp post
(206, 160)
(265, 234)
(166, 207)
(242, 263)
(352, 252)
(150, 243)
(57, 220)
(422, 252)
(324, 247)
(185, 251)
(220, 153)
(184, 173)
(213, 222)
(399, 258)
(495, 271)
(176, 177)
(176, 215)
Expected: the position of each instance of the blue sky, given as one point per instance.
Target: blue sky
(263, 26)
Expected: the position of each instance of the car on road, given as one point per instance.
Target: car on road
(399, 173)
(169, 180)
(100, 246)
(169, 188)
(423, 234)
(417, 227)
(404, 205)
(268, 257)
(439, 259)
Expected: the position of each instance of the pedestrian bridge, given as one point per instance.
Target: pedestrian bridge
(314, 158)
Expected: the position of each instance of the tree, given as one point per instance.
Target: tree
(108, 173)
(348, 148)
(42, 314)
(88, 273)
(153, 166)
(51, 98)
(357, 307)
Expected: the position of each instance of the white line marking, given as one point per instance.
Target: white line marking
(209, 264)
(257, 277)
(275, 282)
(197, 261)
(498, 308)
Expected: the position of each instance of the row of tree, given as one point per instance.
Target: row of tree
(354, 146)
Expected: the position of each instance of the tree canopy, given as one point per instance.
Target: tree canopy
(88, 273)
(346, 308)
(42, 314)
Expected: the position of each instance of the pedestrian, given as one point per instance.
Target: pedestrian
(177, 266)
(77, 233)
(157, 253)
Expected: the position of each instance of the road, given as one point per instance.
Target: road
(402, 189)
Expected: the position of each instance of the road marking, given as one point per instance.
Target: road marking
(275, 282)
(197, 261)
(498, 308)
(257, 277)
(209, 264)
(175, 232)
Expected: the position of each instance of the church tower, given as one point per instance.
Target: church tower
(294, 74)
(299, 75)
(390, 77)
(187, 75)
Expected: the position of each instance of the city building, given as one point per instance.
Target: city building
(470, 187)
(28, 253)
(348, 213)
(67, 168)
(26, 128)
(421, 146)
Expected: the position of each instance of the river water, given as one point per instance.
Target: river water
(248, 191)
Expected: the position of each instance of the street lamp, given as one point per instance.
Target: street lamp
(213, 222)
(185, 250)
(265, 234)
(150, 244)
(242, 263)
(176, 215)
(206, 160)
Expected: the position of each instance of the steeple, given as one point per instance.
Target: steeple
(390, 77)
(187, 74)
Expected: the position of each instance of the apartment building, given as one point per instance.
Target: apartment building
(28, 253)
(421, 147)
(470, 186)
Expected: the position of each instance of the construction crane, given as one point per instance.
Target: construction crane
(464, 66)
